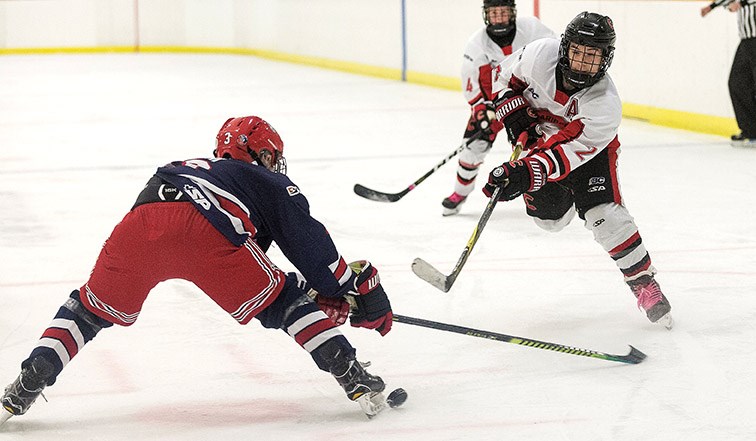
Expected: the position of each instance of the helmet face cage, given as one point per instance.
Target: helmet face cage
(276, 160)
(591, 30)
(251, 139)
(499, 29)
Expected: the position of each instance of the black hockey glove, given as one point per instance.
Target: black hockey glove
(516, 177)
(372, 307)
(515, 113)
(484, 115)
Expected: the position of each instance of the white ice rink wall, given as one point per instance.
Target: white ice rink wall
(671, 65)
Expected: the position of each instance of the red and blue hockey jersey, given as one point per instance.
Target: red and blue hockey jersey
(244, 201)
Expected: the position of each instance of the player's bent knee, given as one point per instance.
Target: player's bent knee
(556, 225)
(73, 304)
(289, 299)
(475, 153)
(610, 223)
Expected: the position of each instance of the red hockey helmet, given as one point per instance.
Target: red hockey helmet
(251, 139)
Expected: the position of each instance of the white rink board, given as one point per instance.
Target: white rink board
(667, 56)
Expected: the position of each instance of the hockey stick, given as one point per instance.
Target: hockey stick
(379, 196)
(4, 416)
(427, 272)
(633, 357)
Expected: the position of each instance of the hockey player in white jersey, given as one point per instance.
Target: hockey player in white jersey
(558, 99)
(491, 45)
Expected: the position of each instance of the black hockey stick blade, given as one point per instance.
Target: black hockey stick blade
(379, 196)
(633, 357)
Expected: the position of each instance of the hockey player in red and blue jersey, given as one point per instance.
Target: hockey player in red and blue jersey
(211, 221)
(558, 98)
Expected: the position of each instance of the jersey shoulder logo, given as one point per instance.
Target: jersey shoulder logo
(293, 190)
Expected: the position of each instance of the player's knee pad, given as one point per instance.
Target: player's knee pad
(611, 224)
(556, 225)
(291, 297)
(73, 304)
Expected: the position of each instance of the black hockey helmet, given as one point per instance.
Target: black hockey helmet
(593, 30)
(501, 29)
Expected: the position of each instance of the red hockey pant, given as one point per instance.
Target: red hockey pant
(172, 240)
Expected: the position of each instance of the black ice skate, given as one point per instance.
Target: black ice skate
(741, 140)
(652, 301)
(22, 393)
(360, 385)
(452, 204)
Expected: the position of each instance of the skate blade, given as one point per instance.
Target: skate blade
(666, 321)
(450, 211)
(372, 404)
(4, 416)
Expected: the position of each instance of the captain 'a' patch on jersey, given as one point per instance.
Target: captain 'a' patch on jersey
(572, 110)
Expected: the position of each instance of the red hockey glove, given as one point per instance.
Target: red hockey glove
(372, 307)
(485, 120)
(516, 177)
(336, 308)
(515, 113)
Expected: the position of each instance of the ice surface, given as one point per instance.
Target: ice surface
(81, 134)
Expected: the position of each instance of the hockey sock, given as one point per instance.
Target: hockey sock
(469, 163)
(311, 328)
(466, 175)
(300, 317)
(72, 327)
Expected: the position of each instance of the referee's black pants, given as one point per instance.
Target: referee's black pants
(742, 84)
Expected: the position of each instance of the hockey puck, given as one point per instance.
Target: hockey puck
(396, 398)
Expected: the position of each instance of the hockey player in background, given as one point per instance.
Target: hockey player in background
(210, 221)
(559, 100)
(491, 45)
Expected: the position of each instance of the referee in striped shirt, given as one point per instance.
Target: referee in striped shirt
(742, 81)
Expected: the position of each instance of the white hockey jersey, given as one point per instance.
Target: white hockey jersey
(577, 127)
(482, 54)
